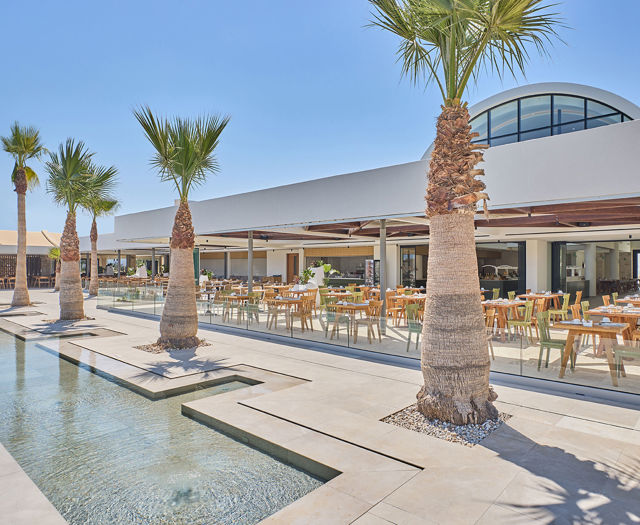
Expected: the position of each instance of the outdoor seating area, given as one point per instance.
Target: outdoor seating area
(33, 281)
(556, 336)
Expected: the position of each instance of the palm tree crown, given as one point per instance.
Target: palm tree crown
(69, 172)
(23, 144)
(99, 199)
(184, 147)
(449, 41)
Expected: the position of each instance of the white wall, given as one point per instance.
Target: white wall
(239, 267)
(215, 266)
(538, 276)
(277, 263)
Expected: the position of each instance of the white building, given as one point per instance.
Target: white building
(564, 211)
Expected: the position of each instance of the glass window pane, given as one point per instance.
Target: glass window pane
(479, 125)
(604, 121)
(567, 109)
(538, 133)
(595, 109)
(504, 140)
(625, 118)
(568, 128)
(504, 119)
(535, 112)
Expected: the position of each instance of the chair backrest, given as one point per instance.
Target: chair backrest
(357, 297)
(575, 311)
(375, 308)
(578, 297)
(413, 318)
(496, 293)
(528, 290)
(543, 326)
(565, 302)
(408, 292)
(585, 309)
(351, 288)
(390, 297)
(541, 305)
(491, 318)
(606, 300)
(511, 295)
(614, 297)
(528, 310)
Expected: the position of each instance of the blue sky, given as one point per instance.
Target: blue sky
(311, 92)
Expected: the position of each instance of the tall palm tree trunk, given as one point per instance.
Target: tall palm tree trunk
(21, 292)
(71, 300)
(179, 323)
(57, 287)
(455, 358)
(93, 282)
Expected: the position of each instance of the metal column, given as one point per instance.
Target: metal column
(119, 262)
(383, 272)
(227, 264)
(250, 261)
(153, 263)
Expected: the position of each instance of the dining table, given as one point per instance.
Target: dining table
(351, 309)
(607, 332)
(619, 314)
(503, 307)
(547, 297)
(631, 299)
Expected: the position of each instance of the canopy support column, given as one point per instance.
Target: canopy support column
(250, 261)
(383, 273)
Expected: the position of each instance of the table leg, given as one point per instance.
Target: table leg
(608, 348)
(568, 348)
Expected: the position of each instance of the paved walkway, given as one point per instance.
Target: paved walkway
(557, 460)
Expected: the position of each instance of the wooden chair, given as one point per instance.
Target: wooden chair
(562, 312)
(578, 297)
(524, 323)
(393, 310)
(490, 320)
(606, 300)
(575, 311)
(332, 316)
(372, 320)
(511, 295)
(547, 342)
(614, 298)
(304, 312)
(496, 294)
(585, 316)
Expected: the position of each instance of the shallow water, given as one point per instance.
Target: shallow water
(104, 454)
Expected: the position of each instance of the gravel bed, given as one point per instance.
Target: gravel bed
(156, 348)
(469, 435)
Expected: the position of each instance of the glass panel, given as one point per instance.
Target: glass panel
(504, 119)
(625, 118)
(479, 125)
(595, 109)
(504, 140)
(568, 128)
(567, 109)
(536, 134)
(603, 121)
(408, 262)
(535, 112)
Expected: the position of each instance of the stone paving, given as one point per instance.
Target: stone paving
(556, 460)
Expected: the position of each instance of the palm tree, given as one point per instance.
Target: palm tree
(97, 204)
(448, 42)
(72, 179)
(23, 144)
(54, 254)
(185, 156)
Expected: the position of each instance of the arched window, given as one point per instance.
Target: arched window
(541, 116)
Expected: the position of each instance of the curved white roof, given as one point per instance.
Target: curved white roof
(547, 88)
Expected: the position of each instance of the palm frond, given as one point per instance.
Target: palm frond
(69, 173)
(184, 148)
(449, 41)
(24, 143)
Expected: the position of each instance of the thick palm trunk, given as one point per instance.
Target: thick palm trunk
(71, 300)
(179, 323)
(93, 281)
(21, 292)
(455, 358)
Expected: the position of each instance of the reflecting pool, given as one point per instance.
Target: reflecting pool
(104, 454)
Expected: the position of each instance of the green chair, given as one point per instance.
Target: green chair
(252, 307)
(413, 321)
(332, 316)
(622, 351)
(585, 338)
(356, 297)
(562, 312)
(523, 323)
(547, 342)
(408, 292)
(614, 298)
(511, 295)
(496, 293)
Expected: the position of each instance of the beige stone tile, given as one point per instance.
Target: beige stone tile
(395, 515)
(23, 504)
(372, 487)
(371, 519)
(322, 506)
